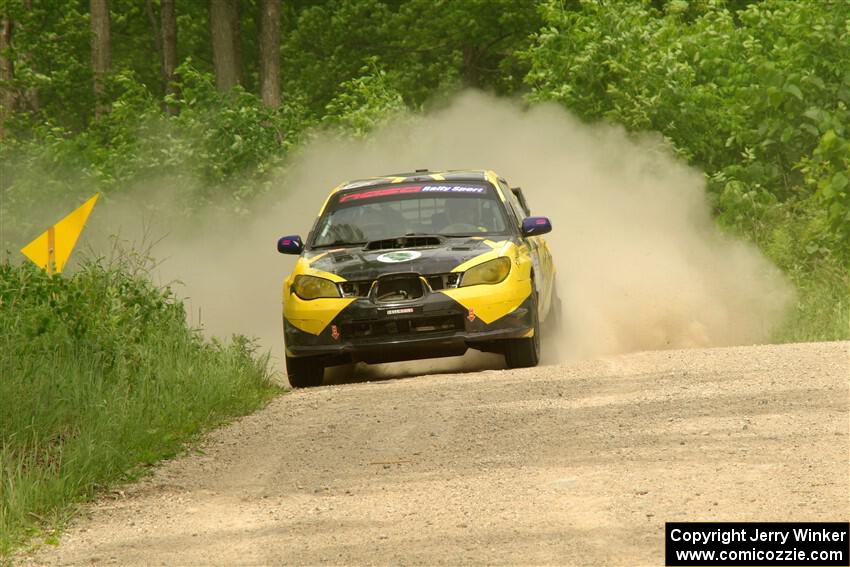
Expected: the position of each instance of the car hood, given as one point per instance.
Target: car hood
(356, 264)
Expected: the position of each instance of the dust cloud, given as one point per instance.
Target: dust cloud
(640, 262)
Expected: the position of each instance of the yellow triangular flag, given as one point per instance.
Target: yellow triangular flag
(51, 250)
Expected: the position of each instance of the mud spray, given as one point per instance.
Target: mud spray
(640, 262)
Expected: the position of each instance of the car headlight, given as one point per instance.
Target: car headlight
(312, 287)
(491, 272)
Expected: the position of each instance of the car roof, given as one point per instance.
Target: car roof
(421, 175)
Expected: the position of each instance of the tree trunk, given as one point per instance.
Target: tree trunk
(157, 37)
(101, 52)
(469, 71)
(7, 73)
(224, 24)
(270, 53)
(168, 18)
(30, 95)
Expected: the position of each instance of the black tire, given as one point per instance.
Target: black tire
(525, 353)
(305, 372)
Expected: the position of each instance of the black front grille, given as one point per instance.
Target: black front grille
(436, 282)
(443, 281)
(398, 288)
(404, 327)
(356, 289)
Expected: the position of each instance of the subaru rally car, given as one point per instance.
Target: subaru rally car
(418, 265)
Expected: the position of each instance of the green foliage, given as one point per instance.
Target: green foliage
(827, 172)
(471, 44)
(425, 46)
(345, 63)
(758, 97)
(101, 376)
(763, 89)
(217, 148)
(364, 103)
(329, 43)
(53, 78)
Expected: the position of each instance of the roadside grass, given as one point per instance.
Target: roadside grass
(99, 378)
(797, 237)
(822, 311)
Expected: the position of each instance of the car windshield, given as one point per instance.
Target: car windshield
(449, 210)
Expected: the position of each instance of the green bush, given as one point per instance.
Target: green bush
(364, 103)
(99, 376)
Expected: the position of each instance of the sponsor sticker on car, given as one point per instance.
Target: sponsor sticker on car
(452, 189)
(399, 256)
(404, 189)
(380, 193)
(399, 311)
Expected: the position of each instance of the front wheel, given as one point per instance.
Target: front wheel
(525, 352)
(304, 372)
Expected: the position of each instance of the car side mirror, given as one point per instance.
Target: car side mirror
(290, 244)
(535, 226)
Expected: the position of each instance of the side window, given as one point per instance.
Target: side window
(514, 207)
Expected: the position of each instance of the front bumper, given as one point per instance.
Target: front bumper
(432, 326)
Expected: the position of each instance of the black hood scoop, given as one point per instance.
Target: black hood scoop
(403, 242)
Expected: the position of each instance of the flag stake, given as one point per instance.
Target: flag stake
(51, 250)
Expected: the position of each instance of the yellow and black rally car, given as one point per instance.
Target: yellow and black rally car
(418, 265)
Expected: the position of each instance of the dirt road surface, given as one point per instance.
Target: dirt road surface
(577, 464)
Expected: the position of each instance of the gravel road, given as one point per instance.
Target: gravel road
(576, 464)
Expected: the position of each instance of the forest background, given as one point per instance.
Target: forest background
(98, 95)
(113, 95)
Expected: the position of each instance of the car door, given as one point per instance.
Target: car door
(541, 258)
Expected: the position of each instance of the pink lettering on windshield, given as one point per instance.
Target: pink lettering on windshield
(381, 192)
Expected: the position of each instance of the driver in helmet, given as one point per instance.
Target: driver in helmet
(462, 216)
